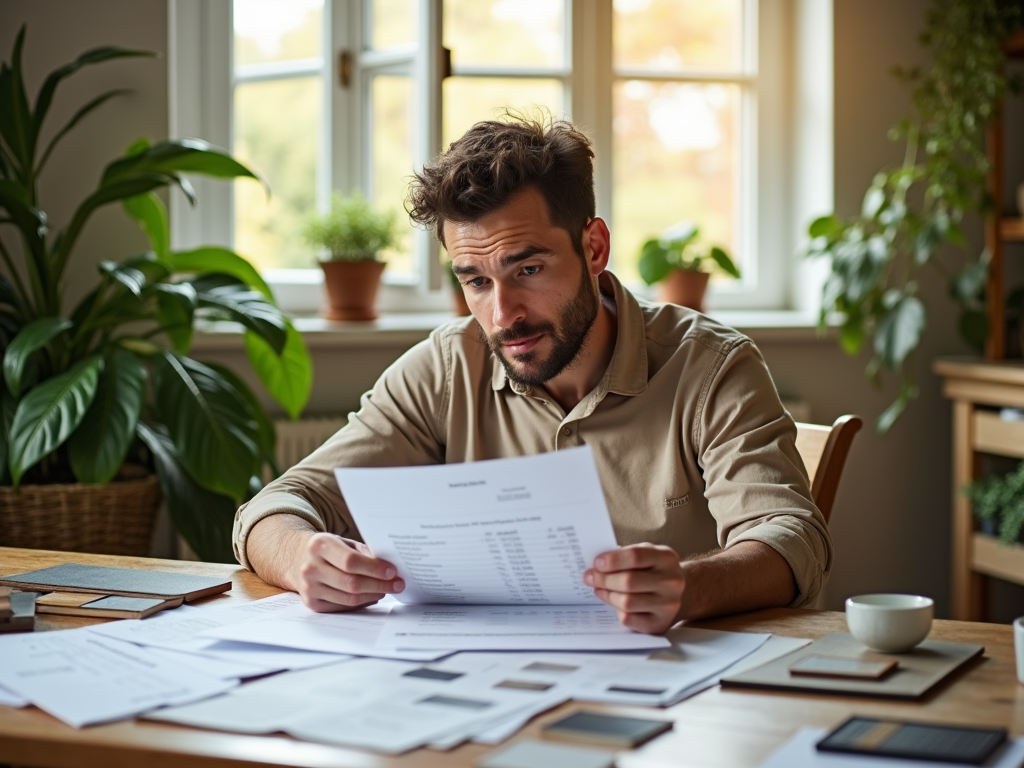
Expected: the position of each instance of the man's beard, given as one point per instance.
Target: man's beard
(576, 317)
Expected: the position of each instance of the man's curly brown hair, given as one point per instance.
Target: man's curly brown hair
(494, 161)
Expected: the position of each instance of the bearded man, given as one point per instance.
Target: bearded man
(707, 494)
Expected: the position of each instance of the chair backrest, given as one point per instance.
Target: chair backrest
(824, 450)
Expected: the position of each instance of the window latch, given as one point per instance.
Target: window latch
(345, 68)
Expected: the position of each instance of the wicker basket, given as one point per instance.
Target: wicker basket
(112, 519)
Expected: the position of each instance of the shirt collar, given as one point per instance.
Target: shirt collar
(627, 372)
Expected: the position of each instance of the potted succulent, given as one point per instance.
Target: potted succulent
(352, 235)
(679, 264)
(94, 394)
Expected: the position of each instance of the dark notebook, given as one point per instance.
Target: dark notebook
(75, 577)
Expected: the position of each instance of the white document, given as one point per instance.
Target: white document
(512, 628)
(774, 648)
(501, 532)
(177, 628)
(352, 632)
(82, 678)
(799, 752)
(9, 698)
(389, 706)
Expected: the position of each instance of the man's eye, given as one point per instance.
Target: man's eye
(476, 282)
(532, 269)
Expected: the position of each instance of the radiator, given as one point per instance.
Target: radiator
(297, 439)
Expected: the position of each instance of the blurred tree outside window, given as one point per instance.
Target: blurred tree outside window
(671, 119)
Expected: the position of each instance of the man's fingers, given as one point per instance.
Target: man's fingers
(644, 602)
(348, 582)
(633, 557)
(324, 598)
(345, 557)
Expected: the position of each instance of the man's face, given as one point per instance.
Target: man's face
(529, 290)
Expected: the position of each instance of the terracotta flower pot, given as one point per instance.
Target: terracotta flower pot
(351, 289)
(685, 288)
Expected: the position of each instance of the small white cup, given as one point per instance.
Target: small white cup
(1018, 646)
(890, 623)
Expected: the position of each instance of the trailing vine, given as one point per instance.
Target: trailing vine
(910, 211)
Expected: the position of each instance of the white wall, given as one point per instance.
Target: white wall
(891, 521)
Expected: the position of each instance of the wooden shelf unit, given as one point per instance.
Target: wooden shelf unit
(977, 388)
(999, 229)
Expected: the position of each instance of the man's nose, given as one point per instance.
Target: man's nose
(508, 309)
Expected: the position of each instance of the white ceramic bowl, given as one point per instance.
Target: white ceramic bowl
(890, 623)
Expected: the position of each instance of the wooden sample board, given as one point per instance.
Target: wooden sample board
(916, 673)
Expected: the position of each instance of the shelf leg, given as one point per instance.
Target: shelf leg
(968, 587)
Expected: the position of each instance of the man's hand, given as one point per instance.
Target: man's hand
(337, 574)
(652, 590)
(644, 583)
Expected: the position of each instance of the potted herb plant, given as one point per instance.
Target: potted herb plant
(680, 264)
(909, 212)
(94, 394)
(352, 235)
(998, 503)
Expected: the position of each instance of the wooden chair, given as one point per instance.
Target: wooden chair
(824, 451)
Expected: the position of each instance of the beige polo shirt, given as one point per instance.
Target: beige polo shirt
(692, 444)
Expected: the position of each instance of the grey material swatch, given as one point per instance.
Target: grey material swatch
(119, 603)
(122, 581)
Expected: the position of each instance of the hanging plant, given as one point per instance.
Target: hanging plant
(910, 211)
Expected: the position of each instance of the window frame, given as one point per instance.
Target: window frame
(200, 75)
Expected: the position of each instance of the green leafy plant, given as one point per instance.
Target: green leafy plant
(353, 230)
(111, 380)
(678, 248)
(910, 211)
(1000, 498)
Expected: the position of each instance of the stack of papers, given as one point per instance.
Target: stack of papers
(83, 678)
(394, 706)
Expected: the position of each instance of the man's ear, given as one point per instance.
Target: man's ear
(596, 245)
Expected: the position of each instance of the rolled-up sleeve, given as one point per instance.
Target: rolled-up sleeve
(400, 422)
(755, 482)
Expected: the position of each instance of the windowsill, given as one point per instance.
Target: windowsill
(402, 329)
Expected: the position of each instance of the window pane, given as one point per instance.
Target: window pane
(507, 33)
(271, 30)
(392, 157)
(285, 151)
(468, 100)
(676, 158)
(676, 35)
(392, 23)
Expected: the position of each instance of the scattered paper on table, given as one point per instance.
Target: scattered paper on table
(799, 752)
(9, 698)
(512, 627)
(351, 632)
(506, 531)
(82, 678)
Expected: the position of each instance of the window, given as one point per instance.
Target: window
(684, 99)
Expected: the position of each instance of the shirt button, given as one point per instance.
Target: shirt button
(567, 431)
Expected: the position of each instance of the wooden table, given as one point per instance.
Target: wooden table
(726, 728)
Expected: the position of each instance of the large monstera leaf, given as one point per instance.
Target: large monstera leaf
(49, 413)
(210, 424)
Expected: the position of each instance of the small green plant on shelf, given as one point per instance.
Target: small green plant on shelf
(353, 230)
(679, 248)
(998, 501)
